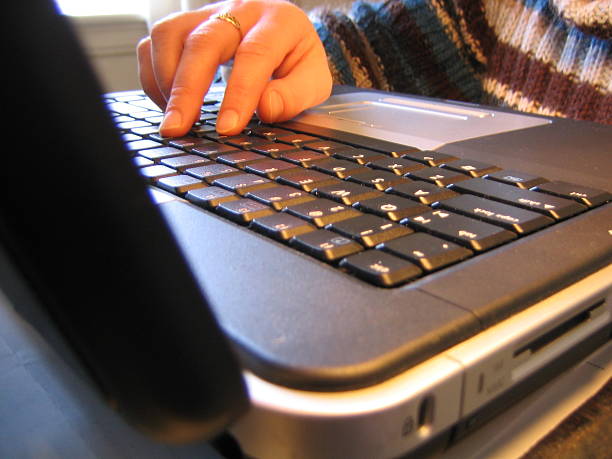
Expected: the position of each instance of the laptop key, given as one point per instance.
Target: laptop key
(156, 154)
(394, 208)
(123, 108)
(121, 118)
(304, 158)
(245, 142)
(340, 168)
(400, 152)
(147, 115)
(157, 119)
(398, 166)
(271, 168)
(210, 197)
(519, 179)
(306, 179)
(212, 150)
(381, 268)
(270, 133)
(296, 139)
(156, 172)
(180, 184)
(145, 131)
(130, 137)
(553, 206)
(243, 183)
(326, 245)
(281, 226)
(381, 180)
(212, 172)
(183, 162)
(187, 143)
(438, 176)
(201, 130)
(359, 155)
(240, 158)
(327, 147)
(424, 192)
(144, 144)
(347, 193)
(139, 161)
(205, 116)
(243, 210)
(322, 212)
(369, 230)
(429, 252)
(471, 233)
(510, 217)
(129, 125)
(280, 196)
(588, 196)
(473, 168)
(215, 136)
(273, 150)
(431, 158)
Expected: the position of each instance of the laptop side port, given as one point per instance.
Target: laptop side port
(525, 355)
(511, 351)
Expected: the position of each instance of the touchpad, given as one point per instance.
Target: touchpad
(421, 123)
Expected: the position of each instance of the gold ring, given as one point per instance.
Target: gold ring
(229, 18)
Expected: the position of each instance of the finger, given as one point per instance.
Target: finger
(167, 43)
(146, 75)
(259, 54)
(207, 46)
(306, 83)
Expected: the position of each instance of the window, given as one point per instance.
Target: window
(103, 7)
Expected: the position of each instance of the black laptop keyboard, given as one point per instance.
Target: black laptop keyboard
(387, 217)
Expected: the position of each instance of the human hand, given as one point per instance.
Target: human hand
(280, 68)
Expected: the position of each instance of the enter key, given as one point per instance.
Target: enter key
(516, 219)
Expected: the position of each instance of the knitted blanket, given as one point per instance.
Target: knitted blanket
(551, 57)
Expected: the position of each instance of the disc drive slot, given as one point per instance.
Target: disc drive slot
(512, 350)
(557, 332)
(544, 348)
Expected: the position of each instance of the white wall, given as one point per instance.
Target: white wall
(110, 43)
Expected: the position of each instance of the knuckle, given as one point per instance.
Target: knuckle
(199, 40)
(143, 46)
(165, 26)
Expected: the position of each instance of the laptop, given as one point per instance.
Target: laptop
(378, 277)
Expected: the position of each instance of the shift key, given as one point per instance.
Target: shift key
(553, 206)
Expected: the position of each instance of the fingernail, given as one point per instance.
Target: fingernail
(227, 121)
(172, 120)
(276, 105)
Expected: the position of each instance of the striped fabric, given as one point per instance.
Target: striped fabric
(551, 57)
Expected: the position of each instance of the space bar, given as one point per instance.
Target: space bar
(557, 208)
